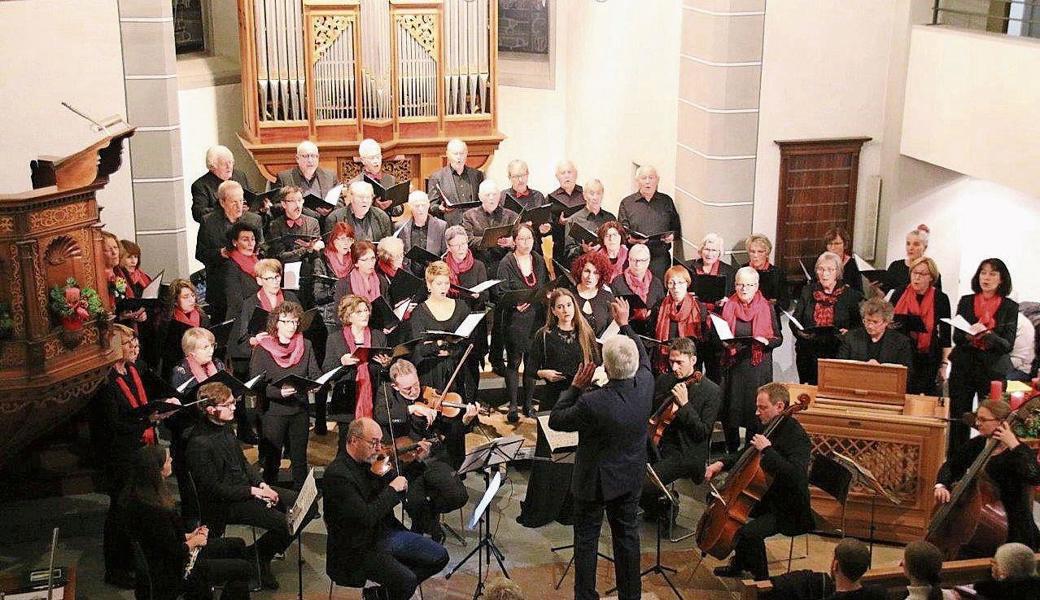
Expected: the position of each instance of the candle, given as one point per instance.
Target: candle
(996, 390)
(1017, 399)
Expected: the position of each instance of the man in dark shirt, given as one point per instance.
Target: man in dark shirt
(294, 223)
(371, 155)
(568, 194)
(308, 176)
(490, 213)
(366, 541)
(518, 195)
(423, 230)
(590, 217)
(211, 245)
(457, 183)
(650, 212)
(230, 490)
(369, 222)
(221, 167)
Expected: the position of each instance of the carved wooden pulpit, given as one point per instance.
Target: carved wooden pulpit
(50, 365)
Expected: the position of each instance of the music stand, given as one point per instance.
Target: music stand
(666, 498)
(863, 476)
(296, 518)
(498, 451)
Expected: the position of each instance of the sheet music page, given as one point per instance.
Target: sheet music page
(291, 275)
(863, 265)
(332, 198)
(187, 384)
(399, 230)
(496, 482)
(721, 327)
(467, 326)
(794, 321)
(485, 285)
(558, 440)
(249, 384)
(304, 501)
(611, 330)
(327, 376)
(958, 322)
(151, 291)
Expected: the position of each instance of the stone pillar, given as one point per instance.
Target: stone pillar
(150, 74)
(719, 73)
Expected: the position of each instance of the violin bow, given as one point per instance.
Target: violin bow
(455, 373)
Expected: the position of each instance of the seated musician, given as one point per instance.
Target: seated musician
(684, 444)
(1014, 574)
(784, 508)
(875, 343)
(230, 490)
(1012, 468)
(433, 486)
(366, 541)
(638, 280)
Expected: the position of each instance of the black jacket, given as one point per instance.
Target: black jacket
(895, 348)
(204, 193)
(612, 424)
(689, 434)
(344, 391)
(996, 360)
(221, 473)
(161, 535)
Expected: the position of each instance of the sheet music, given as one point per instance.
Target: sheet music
(485, 285)
(151, 291)
(304, 501)
(958, 322)
(863, 265)
(327, 376)
(466, 327)
(888, 296)
(794, 321)
(249, 384)
(397, 233)
(805, 271)
(332, 198)
(612, 330)
(721, 327)
(496, 482)
(184, 386)
(559, 441)
(291, 275)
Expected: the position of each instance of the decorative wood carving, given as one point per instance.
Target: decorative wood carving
(401, 167)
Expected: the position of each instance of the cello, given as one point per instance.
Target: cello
(974, 520)
(669, 408)
(745, 486)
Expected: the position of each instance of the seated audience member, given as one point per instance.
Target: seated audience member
(922, 564)
(457, 183)
(310, 178)
(851, 560)
(1014, 575)
(639, 280)
(211, 247)
(1023, 353)
(365, 540)
(875, 342)
(220, 165)
(650, 212)
(369, 222)
(591, 217)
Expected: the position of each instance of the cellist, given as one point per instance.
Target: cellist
(692, 403)
(1012, 468)
(784, 508)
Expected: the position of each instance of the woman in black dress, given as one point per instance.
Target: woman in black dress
(169, 547)
(1013, 468)
(827, 301)
(984, 354)
(437, 359)
(521, 269)
(931, 346)
(240, 267)
(279, 352)
(679, 315)
(839, 242)
(593, 294)
(771, 280)
(182, 314)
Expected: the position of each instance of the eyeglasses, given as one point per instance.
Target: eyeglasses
(229, 404)
(367, 258)
(677, 283)
(984, 419)
(271, 278)
(289, 321)
(745, 285)
(639, 260)
(375, 443)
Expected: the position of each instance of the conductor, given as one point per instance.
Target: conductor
(611, 460)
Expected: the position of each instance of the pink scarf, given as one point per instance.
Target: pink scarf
(366, 286)
(284, 356)
(341, 267)
(191, 318)
(362, 378)
(265, 301)
(617, 266)
(199, 371)
(759, 313)
(246, 263)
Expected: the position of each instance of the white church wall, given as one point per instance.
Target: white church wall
(74, 54)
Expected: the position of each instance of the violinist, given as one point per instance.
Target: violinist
(1013, 469)
(784, 508)
(433, 486)
(692, 403)
(365, 540)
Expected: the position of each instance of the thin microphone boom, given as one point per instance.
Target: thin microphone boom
(99, 126)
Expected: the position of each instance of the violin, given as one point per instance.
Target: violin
(447, 403)
(669, 408)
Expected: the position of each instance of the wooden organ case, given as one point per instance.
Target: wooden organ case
(48, 235)
(860, 410)
(411, 74)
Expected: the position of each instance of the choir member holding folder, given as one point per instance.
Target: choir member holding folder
(488, 226)
(523, 275)
(466, 272)
(771, 279)
(611, 236)
(252, 317)
(362, 280)
(839, 242)
(641, 287)
(436, 357)
(333, 264)
(593, 295)
(982, 353)
(919, 310)
(240, 267)
(708, 266)
(281, 352)
(679, 315)
(827, 308)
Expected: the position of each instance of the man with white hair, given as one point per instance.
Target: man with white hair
(220, 165)
(610, 464)
(371, 156)
(591, 216)
(490, 213)
(567, 200)
(650, 212)
(423, 230)
(369, 222)
(1014, 574)
(455, 184)
(211, 245)
(308, 176)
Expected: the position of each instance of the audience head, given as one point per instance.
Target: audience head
(746, 283)
(220, 162)
(489, 195)
(307, 158)
(438, 278)
(682, 356)
(284, 320)
(1013, 562)
(391, 251)
(647, 180)
(771, 400)
(129, 255)
(677, 282)
(620, 357)
(269, 275)
(592, 191)
(242, 237)
(197, 344)
(501, 588)
(232, 199)
(851, 559)
(518, 173)
(341, 238)
(711, 249)
(292, 201)
(838, 241)
(638, 259)
(611, 234)
(361, 195)
(364, 254)
(758, 248)
(183, 295)
(992, 277)
(589, 270)
(566, 174)
(923, 274)
(876, 314)
(110, 249)
(364, 440)
(419, 202)
(217, 402)
(145, 483)
(916, 242)
(371, 155)
(405, 379)
(354, 311)
(457, 152)
(458, 242)
(828, 269)
(922, 564)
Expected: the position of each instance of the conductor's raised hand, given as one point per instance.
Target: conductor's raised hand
(619, 310)
(583, 377)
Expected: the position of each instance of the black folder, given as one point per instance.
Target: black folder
(404, 285)
(567, 206)
(537, 216)
(708, 288)
(420, 255)
(383, 317)
(581, 234)
(909, 323)
(397, 194)
(255, 199)
(493, 234)
(365, 353)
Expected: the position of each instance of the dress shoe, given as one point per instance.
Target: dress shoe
(730, 571)
(374, 593)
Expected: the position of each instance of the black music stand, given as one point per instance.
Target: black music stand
(863, 476)
(296, 520)
(498, 451)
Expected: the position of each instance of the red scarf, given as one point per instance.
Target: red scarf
(823, 311)
(714, 268)
(284, 356)
(458, 268)
(986, 312)
(641, 288)
(199, 371)
(386, 268)
(687, 317)
(908, 304)
(617, 266)
(246, 263)
(366, 286)
(137, 399)
(340, 267)
(139, 278)
(759, 313)
(265, 301)
(363, 407)
(191, 318)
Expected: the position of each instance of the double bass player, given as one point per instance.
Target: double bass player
(784, 508)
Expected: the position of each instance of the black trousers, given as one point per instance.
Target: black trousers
(968, 378)
(624, 531)
(750, 552)
(433, 489)
(221, 562)
(254, 512)
(277, 431)
(671, 467)
(116, 546)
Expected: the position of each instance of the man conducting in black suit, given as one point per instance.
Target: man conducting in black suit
(784, 508)
(611, 460)
(876, 342)
(366, 541)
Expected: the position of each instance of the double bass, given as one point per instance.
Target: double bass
(745, 486)
(668, 409)
(974, 521)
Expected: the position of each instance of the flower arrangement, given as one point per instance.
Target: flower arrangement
(74, 305)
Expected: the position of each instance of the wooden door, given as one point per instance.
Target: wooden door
(817, 192)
